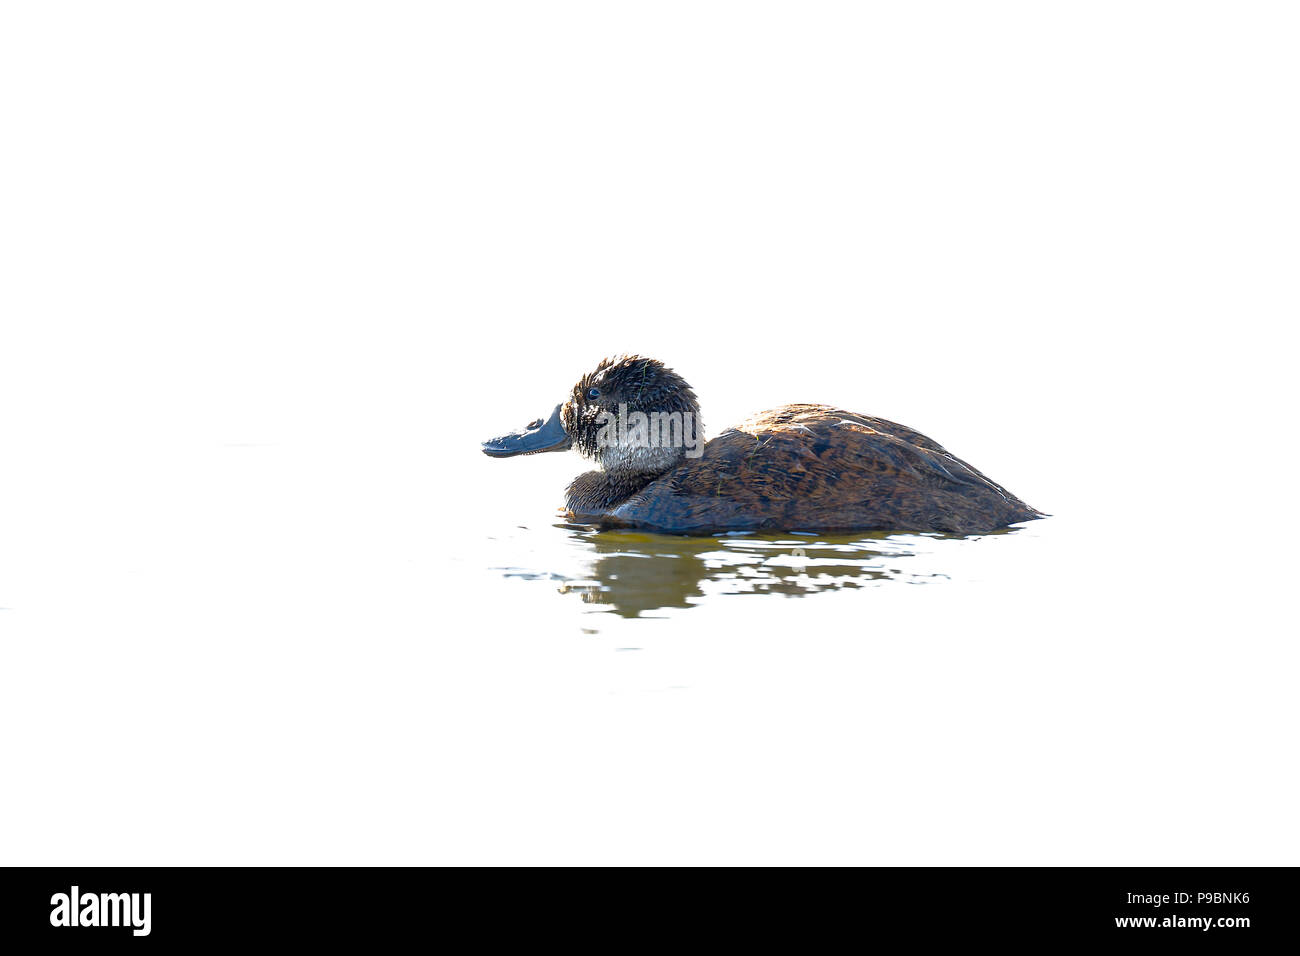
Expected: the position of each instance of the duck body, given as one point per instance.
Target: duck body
(816, 468)
(793, 468)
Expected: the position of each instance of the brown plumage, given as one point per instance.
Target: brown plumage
(794, 468)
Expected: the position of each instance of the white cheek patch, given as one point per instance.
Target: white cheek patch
(640, 458)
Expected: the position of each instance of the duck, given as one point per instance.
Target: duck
(802, 467)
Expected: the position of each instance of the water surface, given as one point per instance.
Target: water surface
(634, 574)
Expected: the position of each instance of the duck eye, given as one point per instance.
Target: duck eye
(593, 393)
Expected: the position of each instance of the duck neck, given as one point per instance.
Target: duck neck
(596, 492)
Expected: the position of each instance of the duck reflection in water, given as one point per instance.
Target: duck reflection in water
(634, 573)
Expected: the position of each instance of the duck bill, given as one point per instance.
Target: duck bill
(538, 437)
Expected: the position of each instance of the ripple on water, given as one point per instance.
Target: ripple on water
(630, 573)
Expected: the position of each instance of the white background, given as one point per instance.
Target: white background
(272, 270)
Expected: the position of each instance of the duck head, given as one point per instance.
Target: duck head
(631, 414)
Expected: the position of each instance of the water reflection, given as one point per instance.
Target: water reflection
(632, 574)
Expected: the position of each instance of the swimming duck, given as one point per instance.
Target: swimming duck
(794, 468)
